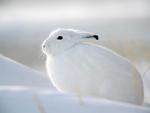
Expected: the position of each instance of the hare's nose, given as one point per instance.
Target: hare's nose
(43, 45)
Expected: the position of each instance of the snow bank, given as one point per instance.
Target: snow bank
(13, 73)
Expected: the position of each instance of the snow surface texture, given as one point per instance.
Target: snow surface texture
(83, 68)
(25, 98)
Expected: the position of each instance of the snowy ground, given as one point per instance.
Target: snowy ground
(23, 90)
(27, 101)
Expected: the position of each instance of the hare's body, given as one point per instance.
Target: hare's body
(89, 70)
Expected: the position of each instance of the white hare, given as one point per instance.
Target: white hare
(80, 67)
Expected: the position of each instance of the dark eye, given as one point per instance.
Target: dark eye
(59, 38)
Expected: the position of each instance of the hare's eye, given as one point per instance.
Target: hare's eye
(59, 38)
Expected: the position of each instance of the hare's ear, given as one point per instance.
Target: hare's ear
(92, 36)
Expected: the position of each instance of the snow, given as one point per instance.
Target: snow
(13, 73)
(19, 95)
(53, 102)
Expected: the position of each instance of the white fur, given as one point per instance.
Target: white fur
(85, 69)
